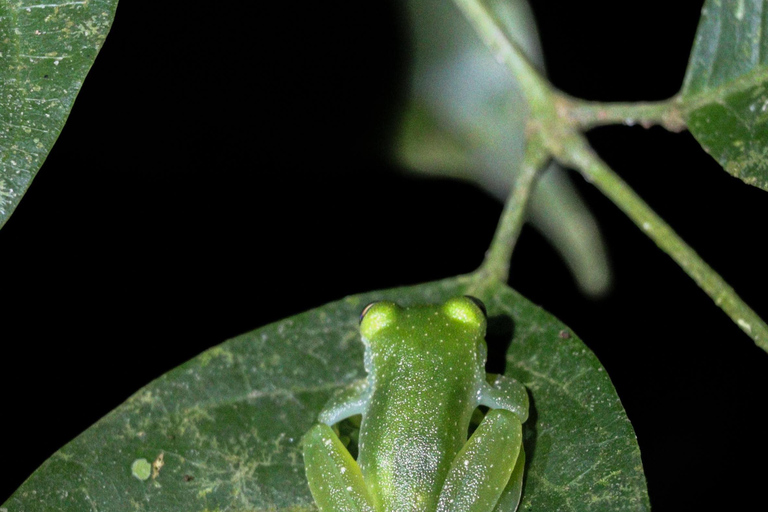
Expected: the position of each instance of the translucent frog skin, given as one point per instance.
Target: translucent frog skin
(426, 376)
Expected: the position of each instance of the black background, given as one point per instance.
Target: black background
(224, 167)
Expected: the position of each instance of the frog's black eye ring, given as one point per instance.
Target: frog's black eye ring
(366, 309)
(477, 302)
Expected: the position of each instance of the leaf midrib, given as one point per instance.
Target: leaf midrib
(694, 101)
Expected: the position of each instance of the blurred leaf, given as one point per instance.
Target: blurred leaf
(46, 49)
(222, 431)
(465, 118)
(725, 93)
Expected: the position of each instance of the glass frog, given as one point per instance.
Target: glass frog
(426, 376)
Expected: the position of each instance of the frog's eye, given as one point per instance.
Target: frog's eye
(376, 316)
(479, 304)
(366, 309)
(467, 310)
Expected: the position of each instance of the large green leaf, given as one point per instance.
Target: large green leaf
(46, 49)
(228, 423)
(725, 93)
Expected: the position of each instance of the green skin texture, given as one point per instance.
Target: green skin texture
(426, 376)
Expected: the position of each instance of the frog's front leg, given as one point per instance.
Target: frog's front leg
(334, 476)
(502, 392)
(480, 474)
(347, 401)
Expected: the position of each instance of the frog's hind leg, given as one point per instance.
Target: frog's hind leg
(481, 471)
(510, 498)
(502, 392)
(334, 476)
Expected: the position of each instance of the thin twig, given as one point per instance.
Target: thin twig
(589, 114)
(582, 157)
(534, 86)
(496, 265)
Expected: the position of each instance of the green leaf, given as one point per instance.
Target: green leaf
(725, 93)
(46, 49)
(228, 423)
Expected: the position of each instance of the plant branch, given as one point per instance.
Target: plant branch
(496, 265)
(534, 86)
(589, 114)
(580, 156)
(554, 126)
(538, 90)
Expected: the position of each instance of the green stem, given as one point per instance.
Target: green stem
(534, 86)
(496, 265)
(588, 114)
(556, 121)
(582, 157)
(540, 93)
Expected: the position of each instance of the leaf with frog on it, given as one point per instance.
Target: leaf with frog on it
(47, 50)
(222, 431)
(725, 93)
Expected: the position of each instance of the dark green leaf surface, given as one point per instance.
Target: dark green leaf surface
(228, 423)
(725, 94)
(46, 49)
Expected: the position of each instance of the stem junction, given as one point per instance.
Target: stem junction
(555, 129)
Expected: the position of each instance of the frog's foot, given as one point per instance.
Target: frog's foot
(510, 498)
(501, 392)
(334, 476)
(480, 474)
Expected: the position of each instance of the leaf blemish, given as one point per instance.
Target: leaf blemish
(141, 469)
(158, 465)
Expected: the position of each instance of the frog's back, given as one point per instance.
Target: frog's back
(425, 370)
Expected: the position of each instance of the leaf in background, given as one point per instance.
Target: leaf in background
(465, 118)
(46, 49)
(725, 93)
(222, 431)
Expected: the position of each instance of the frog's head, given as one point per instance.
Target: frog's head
(468, 312)
(388, 329)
